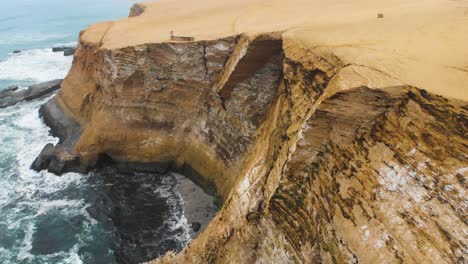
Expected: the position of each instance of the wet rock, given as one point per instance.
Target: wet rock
(8, 91)
(196, 226)
(60, 125)
(12, 87)
(62, 48)
(57, 49)
(57, 160)
(17, 51)
(43, 160)
(69, 51)
(12, 95)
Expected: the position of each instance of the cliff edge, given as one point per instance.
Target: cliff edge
(332, 134)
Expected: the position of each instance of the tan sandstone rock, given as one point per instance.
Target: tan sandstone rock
(332, 136)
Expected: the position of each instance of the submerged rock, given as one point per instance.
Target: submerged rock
(196, 226)
(12, 95)
(8, 91)
(69, 51)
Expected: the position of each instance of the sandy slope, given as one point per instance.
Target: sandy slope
(421, 43)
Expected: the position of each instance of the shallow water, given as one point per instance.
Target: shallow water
(101, 217)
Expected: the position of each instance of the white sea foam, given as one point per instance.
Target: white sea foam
(179, 221)
(165, 190)
(46, 206)
(27, 243)
(22, 137)
(36, 65)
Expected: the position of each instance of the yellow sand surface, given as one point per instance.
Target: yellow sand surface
(422, 43)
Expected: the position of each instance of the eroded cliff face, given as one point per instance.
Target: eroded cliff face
(317, 160)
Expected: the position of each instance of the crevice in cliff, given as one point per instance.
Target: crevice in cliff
(205, 61)
(105, 33)
(305, 89)
(258, 54)
(237, 54)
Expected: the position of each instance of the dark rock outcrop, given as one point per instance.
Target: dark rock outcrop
(69, 51)
(7, 91)
(58, 159)
(196, 226)
(62, 48)
(12, 95)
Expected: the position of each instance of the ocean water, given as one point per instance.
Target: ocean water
(33, 26)
(101, 217)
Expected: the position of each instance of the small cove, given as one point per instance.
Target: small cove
(105, 216)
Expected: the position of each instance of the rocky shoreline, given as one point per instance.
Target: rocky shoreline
(198, 206)
(13, 95)
(145, 214)
(60, 159)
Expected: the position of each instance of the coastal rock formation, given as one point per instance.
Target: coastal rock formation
(321, 149)
(11, 95)
(67, 50)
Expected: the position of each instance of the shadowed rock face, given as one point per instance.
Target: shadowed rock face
(157, 101)
(313, 162)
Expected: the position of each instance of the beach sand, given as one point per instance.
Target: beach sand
(198, 206)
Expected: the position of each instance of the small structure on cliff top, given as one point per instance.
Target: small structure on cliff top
(180, 38)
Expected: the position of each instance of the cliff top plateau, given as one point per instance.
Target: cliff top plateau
(422, 43)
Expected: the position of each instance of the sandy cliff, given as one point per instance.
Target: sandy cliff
(330, 134)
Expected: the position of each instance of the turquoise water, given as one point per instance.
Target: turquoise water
(101, 217)
(33, 26)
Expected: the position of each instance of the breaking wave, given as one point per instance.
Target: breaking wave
(35, 65)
